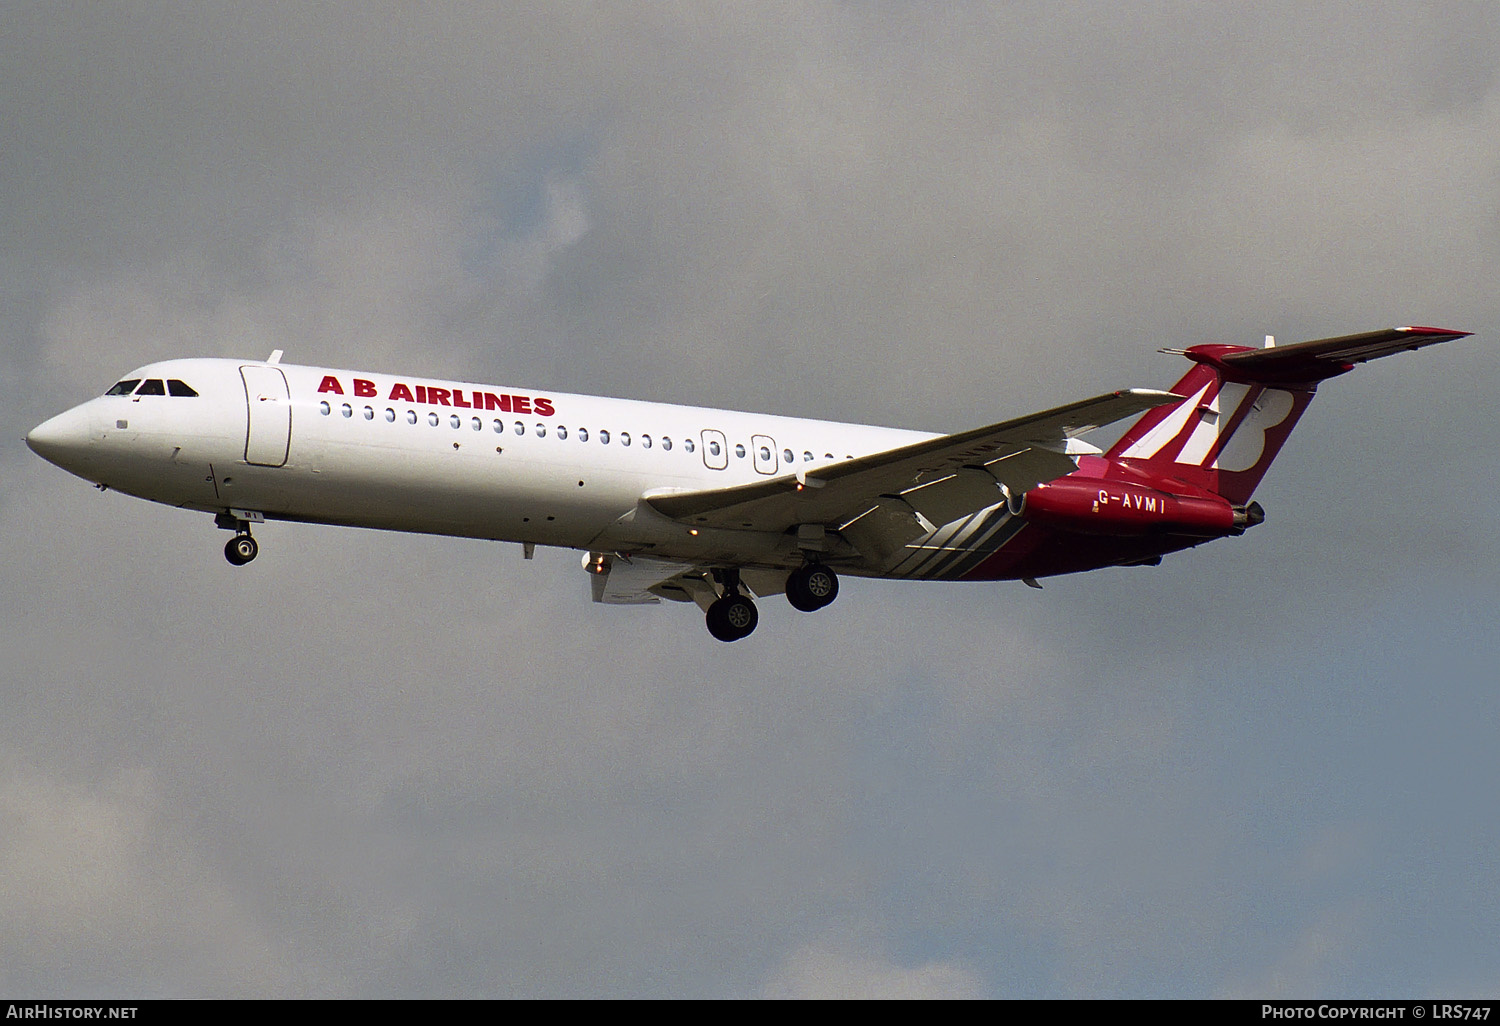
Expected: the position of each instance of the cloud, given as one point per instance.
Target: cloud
(1313, 963)
(103, 892)
(818, 972)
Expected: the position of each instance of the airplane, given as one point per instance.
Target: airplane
(713, 507)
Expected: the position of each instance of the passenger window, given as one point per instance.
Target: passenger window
(348, 410)
(807, 457)
(180, 388)
(432, 418)
(604, 438)
(124, 387)
(666, 443)
(562, 432)
(390, 415)
(765, 453)
(541, 430)
(478, 424)
(739, 450)
(454, 421)
(625, 438)
(369, 413)
(713, 449)
(687, 443)
(583, 434)
(152, 386)
(645, 441)
(411, 416)
(499, 427)
(520, 428)
(324, 408)
(786, 455)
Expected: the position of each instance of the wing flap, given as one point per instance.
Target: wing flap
(618, 581)
(1023, 470)
(884, 528)
(946, 499)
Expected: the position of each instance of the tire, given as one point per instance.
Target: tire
(241, 549)
(811, 587)
(732, 617)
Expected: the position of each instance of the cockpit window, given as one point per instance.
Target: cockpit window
(124, 387)
(152, 386)
(175, 387)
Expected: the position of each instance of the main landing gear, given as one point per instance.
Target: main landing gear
(242, 548)
(811, 587)
(733, 616)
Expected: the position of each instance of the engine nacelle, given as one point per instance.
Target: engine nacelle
(1095, 506)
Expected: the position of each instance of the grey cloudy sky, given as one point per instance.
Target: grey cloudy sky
(375, 764)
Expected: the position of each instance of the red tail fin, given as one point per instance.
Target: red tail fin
(1240, 404)
(1222, 437)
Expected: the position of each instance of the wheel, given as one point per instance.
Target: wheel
(241, 549)
(811, 587)
(732, 618)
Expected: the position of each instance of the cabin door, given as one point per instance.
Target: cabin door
(268, 432)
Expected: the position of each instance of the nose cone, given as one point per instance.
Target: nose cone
(63, 440)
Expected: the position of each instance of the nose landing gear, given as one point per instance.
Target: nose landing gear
(242, 548)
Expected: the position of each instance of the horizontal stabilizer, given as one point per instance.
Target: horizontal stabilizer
(1326, 357)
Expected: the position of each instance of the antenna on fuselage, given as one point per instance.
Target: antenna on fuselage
(275, 357)
(1270, 341)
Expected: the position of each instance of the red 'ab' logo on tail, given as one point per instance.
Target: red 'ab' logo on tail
(1243, 449)
(1221, 438)
(1230, 428)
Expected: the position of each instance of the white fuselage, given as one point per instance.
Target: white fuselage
(415, 454)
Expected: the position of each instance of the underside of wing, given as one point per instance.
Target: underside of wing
(883, 499)
(640, 580)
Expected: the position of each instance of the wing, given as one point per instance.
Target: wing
(881, 501)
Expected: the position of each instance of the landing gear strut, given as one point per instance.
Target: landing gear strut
(811, 587)
(242, 548)
(733, 616)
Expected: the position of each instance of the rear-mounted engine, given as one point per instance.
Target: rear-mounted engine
(1094, 506)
